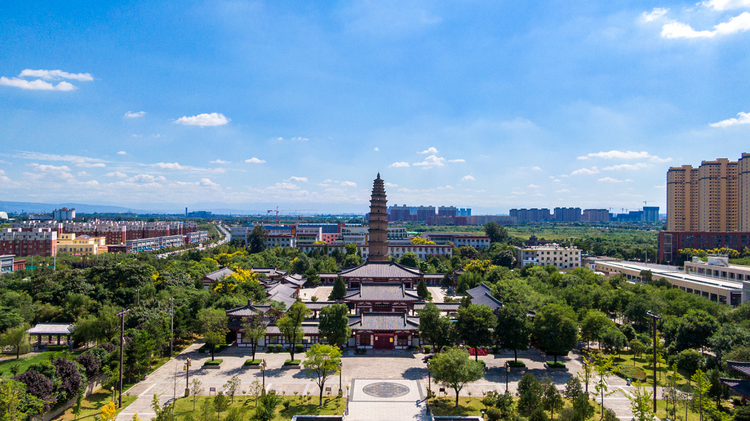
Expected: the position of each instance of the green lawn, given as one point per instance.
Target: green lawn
(472, 406)
(91, 406)
(302, 405)
(642, 369)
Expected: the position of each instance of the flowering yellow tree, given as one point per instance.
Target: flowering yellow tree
(109, 412)
(479, 266)
(422, 241)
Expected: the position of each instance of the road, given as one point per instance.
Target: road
(223, 240)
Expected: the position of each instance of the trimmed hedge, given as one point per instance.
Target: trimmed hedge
(217, 361)
(427, 349)
(253, 362)
(217, 349)
(299, 348)
(57, 348)
(518, 364)
(292, 362)
(552, 364)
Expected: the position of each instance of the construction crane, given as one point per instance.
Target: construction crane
(288, 210)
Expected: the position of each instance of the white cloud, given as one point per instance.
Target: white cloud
(655, 14)
(431, 161)
(122, 153)
(283, 186)
(146, 178)
(50, 167)
(117, 174)
(203, 120)
(169, 166)
(663, 186)
(89, 164)
(742, 118)
(618, 155)
(300, 138)
(736, 24)
(610, 180)
(431, 150)
(532, 186)
(619, 167)
(586, 171)
(131, 114)
(348, 184)
(536, 169)
(387, 184)
(376, 149)
(36, 85)
(56, 75)
(518, 192)
(208, 183)
(562, 191)
(556, 180)
(255, 160)
(399, 165)
(726, 4)
(457, 160)
(468, 178)
(303, 179)
(80, 173)
(218, 161)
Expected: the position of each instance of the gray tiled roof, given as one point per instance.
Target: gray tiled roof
(742, 367)
(740, 386)
(51, 329)
(381, 270)
(288, 301)
(382, 292)
(384, 321)
(296, 280)
(440, 306)
(317, 305)
(483, 295)
(308, 328)
(216, 275)
(284, 290)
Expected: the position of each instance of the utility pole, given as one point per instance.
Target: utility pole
(654, 317)
(171, 325)
(138, 296)
(122, 349)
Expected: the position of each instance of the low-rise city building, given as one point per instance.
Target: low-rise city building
(81, 245)
(550, 254)
(34, 242)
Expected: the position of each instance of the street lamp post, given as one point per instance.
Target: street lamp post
(187, 377)
(341, 369)
(654, 317)
(429, 387)
(263, 370)
(122, 346)
(586, 370)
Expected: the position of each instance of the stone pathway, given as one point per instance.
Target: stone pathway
(386, 400)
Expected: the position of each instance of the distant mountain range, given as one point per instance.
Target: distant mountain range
(30, 207)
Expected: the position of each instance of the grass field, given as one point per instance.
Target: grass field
(91, 406)
(642, 369)
(472, 406)
(298, 405)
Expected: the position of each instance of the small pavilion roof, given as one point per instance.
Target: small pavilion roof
(216, 275)
(51, 329)
(483, 295)
(740, 386)
(742, 367)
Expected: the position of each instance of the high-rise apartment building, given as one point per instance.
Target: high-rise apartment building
(449, 211)
(714, 197)
(424, 212)
(568, 214)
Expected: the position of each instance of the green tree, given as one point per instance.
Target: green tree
(291, 325)
(572, 388)
(555, 329)
(742, 413)
(212, 323)
(254, 329)
(453, 368)
(256, 240)
(267, 409)
(513, 328)
(339, 289)
(593, 325)
(530, 393)
(647, 277)
(221, 403)
(15, 403)
(638, 348)
(603, 367)
(695, 329)
(196, 388)
(474, 326)
(434, 328)
(410, 259)
(334, 324)
(582, 408)
(496, 233)
(233, 386)
(613, 340)
(422, 290)
(551, 398)
(321, 362)
(16, 338)
(640, 403)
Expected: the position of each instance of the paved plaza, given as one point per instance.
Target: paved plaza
(396, 367)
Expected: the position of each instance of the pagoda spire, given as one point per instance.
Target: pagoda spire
(378, 245)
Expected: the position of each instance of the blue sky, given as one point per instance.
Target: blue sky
(250, 105)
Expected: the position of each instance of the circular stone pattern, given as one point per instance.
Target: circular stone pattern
(385, 390)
